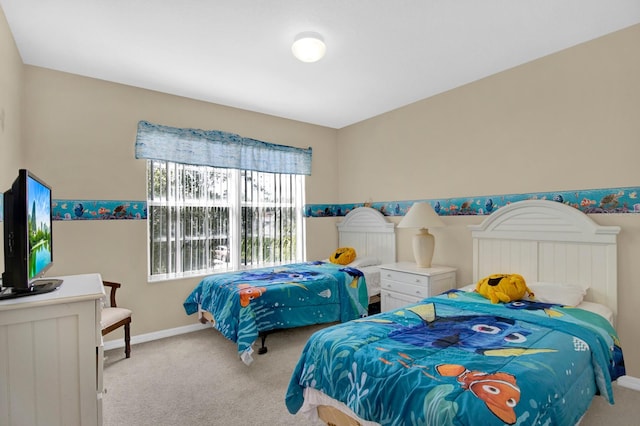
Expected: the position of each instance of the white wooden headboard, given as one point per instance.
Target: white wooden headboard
(550, 242)
(369, 233)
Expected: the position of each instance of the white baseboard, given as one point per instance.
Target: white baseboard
(629, 382)
(141, 338)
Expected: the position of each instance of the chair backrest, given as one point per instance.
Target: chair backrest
(114, 317)
(112, 294)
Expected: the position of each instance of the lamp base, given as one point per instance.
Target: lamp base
(423, 245)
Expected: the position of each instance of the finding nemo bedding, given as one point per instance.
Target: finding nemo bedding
(458, 359)
(246, 303)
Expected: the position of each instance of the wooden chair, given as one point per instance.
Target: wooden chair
(114, 317)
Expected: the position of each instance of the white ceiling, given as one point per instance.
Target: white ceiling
(381, 54)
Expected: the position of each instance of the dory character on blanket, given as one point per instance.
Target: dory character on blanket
(467, 332)
(498, 391)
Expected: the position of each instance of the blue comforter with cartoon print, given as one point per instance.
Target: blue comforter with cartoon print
(457, 359)
(245, 303)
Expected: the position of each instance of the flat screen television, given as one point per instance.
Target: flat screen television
(28, 248)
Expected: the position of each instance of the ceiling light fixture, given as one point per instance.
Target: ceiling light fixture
(308, 47)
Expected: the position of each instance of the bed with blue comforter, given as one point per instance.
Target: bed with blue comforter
(247, 303)
(458, 359)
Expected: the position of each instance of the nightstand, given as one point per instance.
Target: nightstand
(404, 283)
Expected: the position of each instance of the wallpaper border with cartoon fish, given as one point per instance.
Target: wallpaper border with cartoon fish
(99, 210)
(590, 201)
(608, 200)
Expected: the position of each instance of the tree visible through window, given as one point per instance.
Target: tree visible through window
(203, 219)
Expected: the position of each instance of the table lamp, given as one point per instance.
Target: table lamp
(422, 216)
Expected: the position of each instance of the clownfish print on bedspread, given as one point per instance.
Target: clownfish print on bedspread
(248, 293)
(499, 391)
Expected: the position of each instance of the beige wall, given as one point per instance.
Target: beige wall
(80, 134)
(566, 121)
(10, 101)
(10, 110)
(10, 105)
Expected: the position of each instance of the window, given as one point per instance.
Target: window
(203, 219)
(218, 201)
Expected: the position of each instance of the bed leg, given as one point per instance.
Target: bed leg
(263, 348)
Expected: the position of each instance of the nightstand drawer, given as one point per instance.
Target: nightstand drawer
(392, 300)
(418, 291)
(404, 277)
(441, 283)
(404, 282)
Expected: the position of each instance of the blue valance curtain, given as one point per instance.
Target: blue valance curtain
(218, 149)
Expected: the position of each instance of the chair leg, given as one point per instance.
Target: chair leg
(127, 344)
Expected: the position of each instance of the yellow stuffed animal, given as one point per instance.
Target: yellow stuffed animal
(343, 256)
(503, 288)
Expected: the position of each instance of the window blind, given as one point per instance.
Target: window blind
(218, 149)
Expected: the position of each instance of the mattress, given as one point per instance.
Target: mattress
(372, 279)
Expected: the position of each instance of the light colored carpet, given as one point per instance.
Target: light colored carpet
(197, 379)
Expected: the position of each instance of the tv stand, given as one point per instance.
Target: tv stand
(51, 354)
(39, 286)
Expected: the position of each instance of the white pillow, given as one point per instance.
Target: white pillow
(563, 294)
(469, 287)
(597, 308)
(362, 261)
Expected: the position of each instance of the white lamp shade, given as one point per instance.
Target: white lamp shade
(308, 47)
(422, 216)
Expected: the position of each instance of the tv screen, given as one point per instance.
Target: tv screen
(28, 245)
(39, 225)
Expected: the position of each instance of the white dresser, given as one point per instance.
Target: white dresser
(51, 356)
(403, 283)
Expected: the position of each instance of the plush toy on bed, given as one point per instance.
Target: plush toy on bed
(503, 288)
(343, 256)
